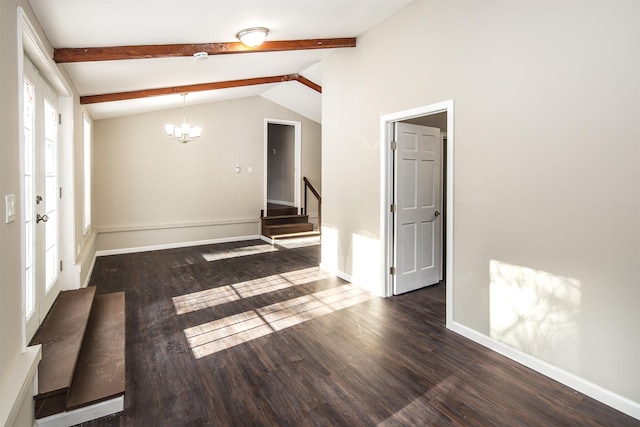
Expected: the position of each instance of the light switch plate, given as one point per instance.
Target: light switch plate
(10, 208)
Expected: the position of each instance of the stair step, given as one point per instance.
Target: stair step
(282, 210)
(284, 219)
(100, 372)
(297, 235)
(276, 230)
(61, 336)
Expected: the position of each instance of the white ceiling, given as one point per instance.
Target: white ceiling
(96, 23)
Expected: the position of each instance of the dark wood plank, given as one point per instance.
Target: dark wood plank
(113, 53)
(100, 371)
(379, 362)
(61, 336)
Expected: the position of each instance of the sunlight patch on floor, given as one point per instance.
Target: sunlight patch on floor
(298, 243)
(221, 295)
(212, 337)
(422, 411)
(238, 252)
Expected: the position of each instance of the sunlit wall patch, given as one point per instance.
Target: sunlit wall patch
(536, 312)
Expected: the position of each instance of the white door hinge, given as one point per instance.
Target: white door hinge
(394, 208)
(392, 271)
(394, 145)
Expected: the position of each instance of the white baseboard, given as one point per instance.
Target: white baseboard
(88, 278)
(577, 383)
(175, 245)
(82, 415)
(267, 239)
(340, 274)
(19, 385)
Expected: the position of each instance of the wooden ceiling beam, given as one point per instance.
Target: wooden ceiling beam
(305, 81)
(145, 93)
(116, 53)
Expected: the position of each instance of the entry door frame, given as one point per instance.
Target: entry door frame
(30, 43)
(386, 195)
(297, 129)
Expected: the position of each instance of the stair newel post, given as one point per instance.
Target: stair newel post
(319, 215)
(305, 195)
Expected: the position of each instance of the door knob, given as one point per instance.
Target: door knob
(43, 218)
(437, 213)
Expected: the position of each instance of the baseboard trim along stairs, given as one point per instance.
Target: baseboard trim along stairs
(82, 372)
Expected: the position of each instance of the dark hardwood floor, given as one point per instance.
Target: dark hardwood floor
(253, 338)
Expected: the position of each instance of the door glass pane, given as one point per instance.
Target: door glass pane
(50, 270)
(51, 192)
(49, 157)
(29, 197)
(87, 173)
(51, 231)
(28, 150)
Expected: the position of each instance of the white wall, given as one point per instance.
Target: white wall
(547, 176)
(150, 190)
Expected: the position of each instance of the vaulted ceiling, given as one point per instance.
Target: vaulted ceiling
(163, 35)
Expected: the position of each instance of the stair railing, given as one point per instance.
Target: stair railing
(308, 185)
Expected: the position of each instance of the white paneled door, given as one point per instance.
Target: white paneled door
(40, 197)
(418, 199)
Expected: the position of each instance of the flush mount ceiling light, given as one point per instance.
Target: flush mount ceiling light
(253, 37)
(183, 133)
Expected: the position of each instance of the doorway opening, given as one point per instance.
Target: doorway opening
(282, 144)
(406, 184)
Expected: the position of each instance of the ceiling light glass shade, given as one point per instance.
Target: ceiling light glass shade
(183, 133)
(253, 37)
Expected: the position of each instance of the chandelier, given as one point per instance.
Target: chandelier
(183, 133)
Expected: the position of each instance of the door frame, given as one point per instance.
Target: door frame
(386, 195)
(297, 130)
(30, 44)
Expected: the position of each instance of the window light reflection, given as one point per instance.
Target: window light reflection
(238, 252)
(212, 337)
(221, 295)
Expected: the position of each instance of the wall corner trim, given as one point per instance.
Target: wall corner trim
(573, 381)
(19, 385)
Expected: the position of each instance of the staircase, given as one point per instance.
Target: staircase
(82, 372)
(283, 222)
